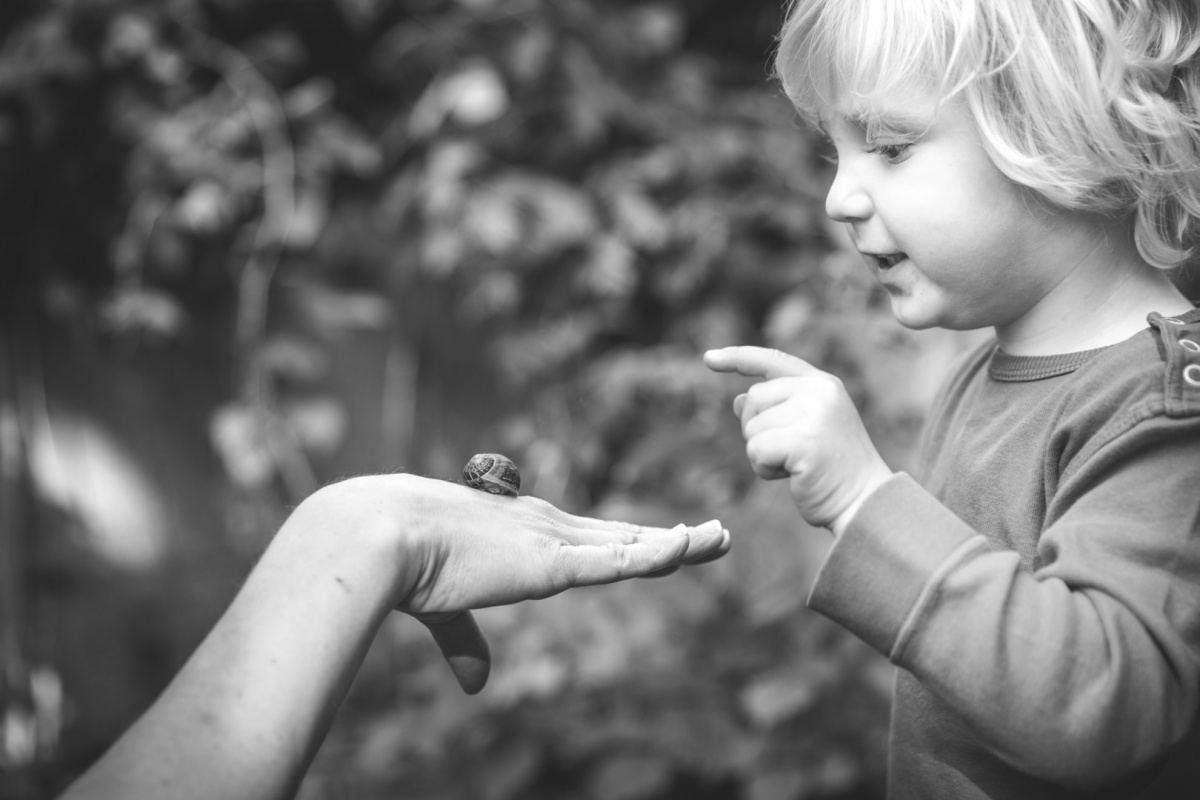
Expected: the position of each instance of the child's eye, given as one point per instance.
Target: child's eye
(828, 152)
(892, 153)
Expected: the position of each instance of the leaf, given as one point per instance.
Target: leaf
(336, 143)
(441, 190)
(333, 312)
(537, 213)
(294, 359)
(471, 95)
(309, 216)
(537, 350)
(493, 222)
(773, 699)
(130, 36)
(529, 56)
(475, 95)
(143, 310)
(494, 294)
(610, 269)
(201, 209)
(319, 422)
(790, 318)
(309, 98)
(640, 220)
(240, 440)
(659, 28)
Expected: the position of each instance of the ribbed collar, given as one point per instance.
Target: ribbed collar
(1010, 368)
(1006, 367)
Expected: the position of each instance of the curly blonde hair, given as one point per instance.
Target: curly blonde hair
(1091, 103)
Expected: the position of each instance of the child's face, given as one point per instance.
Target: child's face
(952, 239)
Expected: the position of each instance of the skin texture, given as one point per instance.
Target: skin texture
(965, 248)
(249, 709)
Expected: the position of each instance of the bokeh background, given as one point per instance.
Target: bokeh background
(253, 246)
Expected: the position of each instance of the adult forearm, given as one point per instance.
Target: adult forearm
(245, 716)
(248, 710)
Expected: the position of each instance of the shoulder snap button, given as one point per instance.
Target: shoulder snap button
(1191, 374)
(1188, 344)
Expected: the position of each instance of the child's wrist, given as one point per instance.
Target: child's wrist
(839, 523)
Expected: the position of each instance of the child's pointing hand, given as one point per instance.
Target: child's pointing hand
(800, 424)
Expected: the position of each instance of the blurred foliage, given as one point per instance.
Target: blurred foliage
(267, 244)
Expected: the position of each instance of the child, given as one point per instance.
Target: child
(1032, 166)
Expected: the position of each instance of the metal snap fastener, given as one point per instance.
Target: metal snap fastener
(1191, 374)
(1188, 344)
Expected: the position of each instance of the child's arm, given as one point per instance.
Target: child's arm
(1082, 672)
(246, 714)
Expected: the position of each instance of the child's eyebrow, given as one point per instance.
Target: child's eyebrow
(897, 121)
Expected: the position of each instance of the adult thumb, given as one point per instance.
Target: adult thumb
(463, 646)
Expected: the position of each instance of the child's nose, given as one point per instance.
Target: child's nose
(847, 200)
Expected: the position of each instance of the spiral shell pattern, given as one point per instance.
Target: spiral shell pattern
(494, 473)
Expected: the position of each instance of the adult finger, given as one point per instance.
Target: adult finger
(716, 544)
(462, 645)
(589, 565)
(719, 551)
(590, 530)
(758, 362)
(705, 542)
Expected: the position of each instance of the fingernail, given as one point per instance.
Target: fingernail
(712, 526)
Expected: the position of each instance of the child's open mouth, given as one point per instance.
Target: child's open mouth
(889, 260)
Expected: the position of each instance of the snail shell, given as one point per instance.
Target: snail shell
(492, 473)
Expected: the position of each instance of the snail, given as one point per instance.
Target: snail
(493, 473)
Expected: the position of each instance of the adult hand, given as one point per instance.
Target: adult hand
(461, 549)
(799, 423)
(245, 715)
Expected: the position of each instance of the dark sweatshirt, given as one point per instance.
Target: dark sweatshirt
(1040, 587)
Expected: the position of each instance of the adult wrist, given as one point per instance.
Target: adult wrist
(361, 529)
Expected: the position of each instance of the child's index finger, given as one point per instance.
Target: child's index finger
(758, 362)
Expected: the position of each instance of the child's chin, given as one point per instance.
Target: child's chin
(911, 315)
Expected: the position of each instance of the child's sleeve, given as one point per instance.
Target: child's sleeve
(1081, 672)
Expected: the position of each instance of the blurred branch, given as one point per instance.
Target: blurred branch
(279, 194)
(274, 227)
(29, 719)
(399, 412)
(12, 556)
